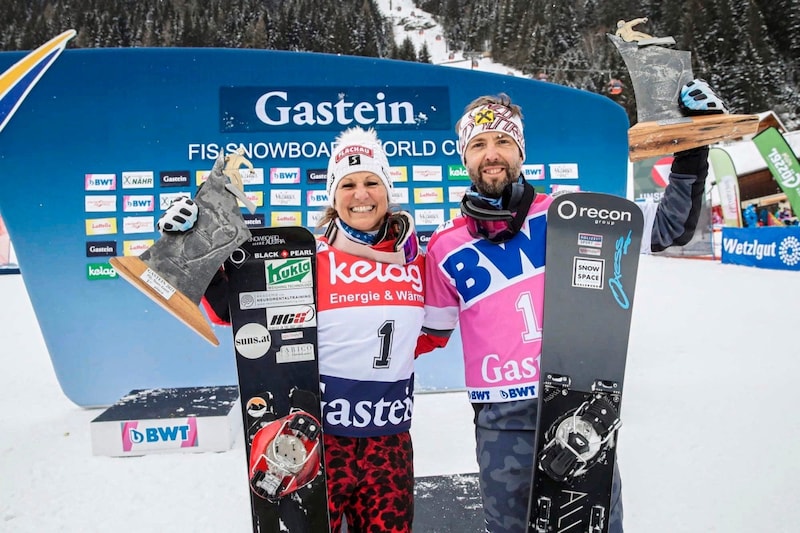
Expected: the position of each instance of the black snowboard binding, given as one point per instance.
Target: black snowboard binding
(577, 440)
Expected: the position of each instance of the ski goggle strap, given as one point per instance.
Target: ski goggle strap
(496, 225)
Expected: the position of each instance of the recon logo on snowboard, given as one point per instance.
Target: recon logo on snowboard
(568, 210)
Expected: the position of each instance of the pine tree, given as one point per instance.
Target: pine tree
(424, 55)
(406, 51)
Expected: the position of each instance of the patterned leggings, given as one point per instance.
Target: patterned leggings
(371, 483)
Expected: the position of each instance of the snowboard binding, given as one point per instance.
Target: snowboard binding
(577, 440)
(286, 453)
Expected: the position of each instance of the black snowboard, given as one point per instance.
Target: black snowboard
(592, 257)
(272, 299)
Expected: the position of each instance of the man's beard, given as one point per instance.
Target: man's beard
(494, 189)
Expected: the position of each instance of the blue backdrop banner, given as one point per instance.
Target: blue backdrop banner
(108, 137)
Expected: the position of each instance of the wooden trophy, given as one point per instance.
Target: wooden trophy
(177, 269)
(658, 74)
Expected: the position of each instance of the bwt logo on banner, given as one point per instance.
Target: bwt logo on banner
(137, 203)
(533, 172)
(100, 182)
(249, 109)
(155, 435)
(284, 175)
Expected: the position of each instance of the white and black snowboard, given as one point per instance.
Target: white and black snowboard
(592, 259)
(272, 300)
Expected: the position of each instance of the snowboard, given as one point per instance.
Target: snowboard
(592, 257)
(272, 301)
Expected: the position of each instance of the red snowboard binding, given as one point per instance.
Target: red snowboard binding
(286, 453)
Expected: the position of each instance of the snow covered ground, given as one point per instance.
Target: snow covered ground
(708, 442)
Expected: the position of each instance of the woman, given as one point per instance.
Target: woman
(370, 310)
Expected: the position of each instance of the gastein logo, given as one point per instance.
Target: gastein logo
(101, 249)
(249, 109)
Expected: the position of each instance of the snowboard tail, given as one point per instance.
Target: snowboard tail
(592, 257)
(272, 301)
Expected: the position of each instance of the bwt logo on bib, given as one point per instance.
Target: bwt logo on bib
(248, 109)
(477, 268)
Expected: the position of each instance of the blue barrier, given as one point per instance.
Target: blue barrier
(776, 247)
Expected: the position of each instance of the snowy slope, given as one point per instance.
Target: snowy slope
(422, 28)
(707, 444)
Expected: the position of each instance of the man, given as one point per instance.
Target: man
(501, 315)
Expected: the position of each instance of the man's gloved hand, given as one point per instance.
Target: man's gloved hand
(179, 217)
(697, 98)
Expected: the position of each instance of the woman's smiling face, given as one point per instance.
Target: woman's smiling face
(362, 201)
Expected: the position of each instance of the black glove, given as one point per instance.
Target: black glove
(216, 295)
(693, 162)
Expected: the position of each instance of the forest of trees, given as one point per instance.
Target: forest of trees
(352, 27)
(748, 49)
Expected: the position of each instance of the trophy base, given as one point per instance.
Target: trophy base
(141, 276)
(652, 139)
